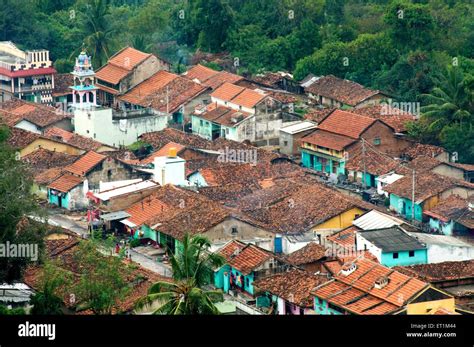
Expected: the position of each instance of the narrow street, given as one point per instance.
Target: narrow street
(79, 226)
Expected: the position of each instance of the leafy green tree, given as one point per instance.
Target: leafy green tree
(48, 299)
(16, 202)
(410, 25)
(192, 268)
(103, 279)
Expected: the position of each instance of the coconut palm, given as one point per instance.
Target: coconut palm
(181, 298)
(97, 32)
(192, 266)
(450, 102)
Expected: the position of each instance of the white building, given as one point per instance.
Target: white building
(445, 248)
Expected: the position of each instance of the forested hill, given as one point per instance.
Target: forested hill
(416, 51)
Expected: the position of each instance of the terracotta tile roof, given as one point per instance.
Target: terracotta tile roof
(200, 72)
(284, 97)
(146, 209)
(160, 87)
(294, 286)
(120, 65)
(288, 210)
(346, 123)
(427, 184)
(440, 272)
(224, 115)
(19, 138)
(345, 238)
(176, 212)
(210, 77)
(394, 117)
(160, 138)
(423, 163)
(248, 258)
(418, 149)
(453, 208)
(128, 58)
(317, 115)
(443, 311)
(228, 250)
(73, 139)
(65, 182)
(327, 139)
(374, 162)
(163, 151)
(310, 253)
(227, 92)
(345, 91)
(62, 82)
(220, 78)
(42, 159)
(356, 292)
(47, 176)
(465, 167)
(15, 110)
(248, 98)
(270, 79)
(85, 163)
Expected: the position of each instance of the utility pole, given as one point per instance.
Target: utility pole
(413, 197)
(363, 161)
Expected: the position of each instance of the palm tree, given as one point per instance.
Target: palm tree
(449, 102)
(181, 298)
(97, 31)
(192, 268)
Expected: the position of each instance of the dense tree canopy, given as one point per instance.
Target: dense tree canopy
(398, 46)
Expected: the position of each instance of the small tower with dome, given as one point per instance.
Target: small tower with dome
(84, 91)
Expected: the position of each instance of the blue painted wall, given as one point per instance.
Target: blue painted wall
(420, 257)
(396, 203)
(317, 164)
(321, 307)
(54, 200)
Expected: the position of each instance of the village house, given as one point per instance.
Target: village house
(245, 263)
(429, 189)
(392, 246)
(73, 139)
(62, 93)
(124, 70)
(454, 277)
(278, 80)
(288, 293)
(420, 149)
(166, 216)
(43, 160)
(363, 287)
(309, 257)
(441, 248)
(395, 117)
(116, 127)
(27, 75)
(244, 114)
(332, 91)
(458, 171)
(290, 135)
(33, 117)
(25, 142)
(286, 210)
(85, 174)
(209, 77)
(328, 148)
(452, 216)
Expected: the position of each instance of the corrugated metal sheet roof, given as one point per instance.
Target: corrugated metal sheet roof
(376, 220)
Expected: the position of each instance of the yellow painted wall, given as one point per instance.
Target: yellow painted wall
(50, 145)
(426, 307)
(430, 203)
(341, 221)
